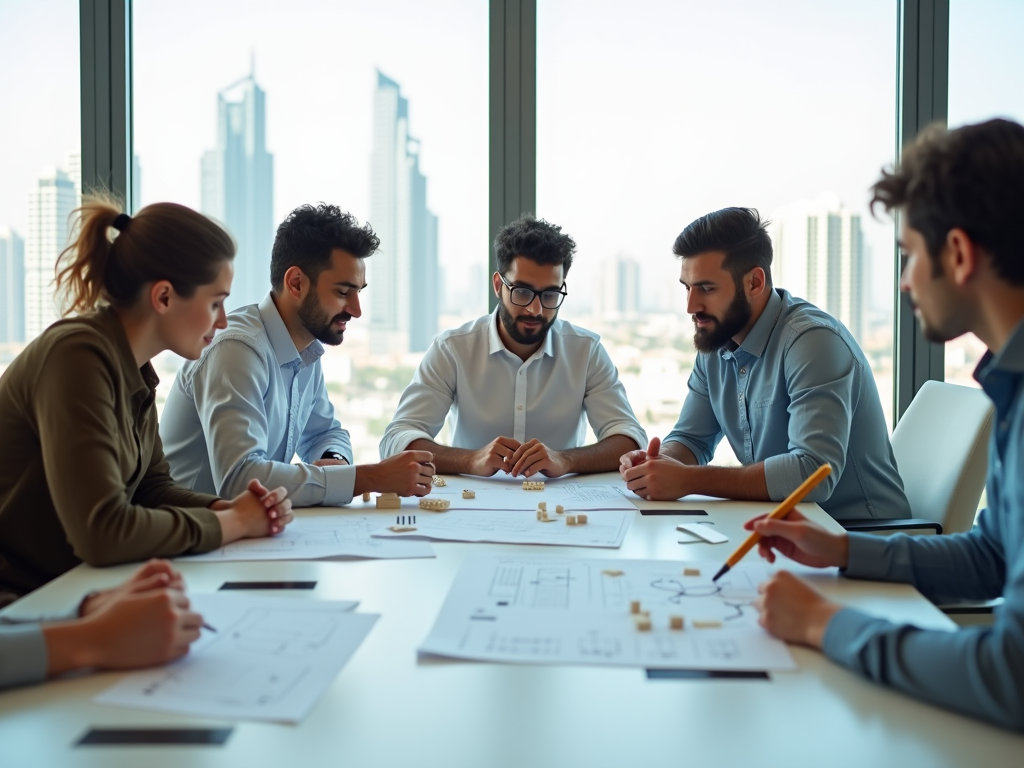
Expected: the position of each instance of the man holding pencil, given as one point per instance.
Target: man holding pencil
(960, 195)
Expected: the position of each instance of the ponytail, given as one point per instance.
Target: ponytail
(164, 241)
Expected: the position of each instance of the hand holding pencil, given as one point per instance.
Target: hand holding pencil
(778, 513)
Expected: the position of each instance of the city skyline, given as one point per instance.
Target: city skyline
(12, 286)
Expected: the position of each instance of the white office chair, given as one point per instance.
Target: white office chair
(941, 448)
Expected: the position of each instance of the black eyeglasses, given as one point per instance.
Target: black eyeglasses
(523, 297)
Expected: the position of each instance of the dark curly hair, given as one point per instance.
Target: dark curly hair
(307, 236)
(740, 232)
(971, 178)
(540, 241)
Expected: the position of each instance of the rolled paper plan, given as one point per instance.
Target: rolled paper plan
(780, 511)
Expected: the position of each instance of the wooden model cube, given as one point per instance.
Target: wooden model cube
(533, 485)
(581, 519)
(438, 481)
(542, 506)
(570, 519)
(559, 509)
(469, 494)
(366, 496)
(691, 571)
(675, 622)
(643, 623)
(389, 501)
(634, 606)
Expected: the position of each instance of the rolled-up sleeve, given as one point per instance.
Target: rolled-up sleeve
(698, 427)
(822, 380)
(605, 402)
(322, 431)
(228, 387)
(425, 402)
(23, 655)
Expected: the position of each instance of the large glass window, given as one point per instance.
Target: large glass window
(40, 166)
(986, 80)
(379, 108)
(653, 114)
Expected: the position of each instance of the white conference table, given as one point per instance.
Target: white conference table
(387, 708)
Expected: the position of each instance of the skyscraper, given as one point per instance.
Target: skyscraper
(819, 256)
(12, 287)
(620, 291)
(238, 186)
(50, 205)
(404, 291)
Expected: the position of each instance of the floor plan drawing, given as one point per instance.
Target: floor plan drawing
(560, 611)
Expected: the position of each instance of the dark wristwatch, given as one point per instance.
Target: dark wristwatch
(333, 455)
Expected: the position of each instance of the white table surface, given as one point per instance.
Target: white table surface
(386, 708)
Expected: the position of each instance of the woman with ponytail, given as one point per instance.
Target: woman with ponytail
(82, 469)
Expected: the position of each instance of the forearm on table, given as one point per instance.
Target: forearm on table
(679, 452)
(447, 460)
(603, 456)
(741, 483)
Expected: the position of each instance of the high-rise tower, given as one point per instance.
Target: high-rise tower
(238, 186)
(12, 287)
(404, 291)
(50, 204)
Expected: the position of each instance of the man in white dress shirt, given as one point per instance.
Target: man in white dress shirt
(519, 382)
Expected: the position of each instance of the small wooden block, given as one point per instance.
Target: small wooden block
(581, 519)
(435, 505)
(613, 573)
(401, 528)
(469, 494)
(540, 515)
(547, 519)
(643, 624)
(570, 519)
(533, 485)
(634, 606)
(675, 622)
(389, 501)
(691, 571)
(366, 496)
(542, 505)
(438, 481)
(559, 509)
(707, 624)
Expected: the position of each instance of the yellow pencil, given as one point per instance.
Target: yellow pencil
(780, 511)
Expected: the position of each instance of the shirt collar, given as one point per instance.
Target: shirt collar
(1010, 359)
(497, 345)
(142, 380)
(757, 339)
(281, 340)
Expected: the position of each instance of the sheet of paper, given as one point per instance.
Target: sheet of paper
(575, 497)
(537, 610)
(317, 536)
(270, 659)
(604, 528)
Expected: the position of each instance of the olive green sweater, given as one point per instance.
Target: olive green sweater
(82, 471)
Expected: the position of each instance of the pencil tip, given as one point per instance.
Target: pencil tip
(722, 572)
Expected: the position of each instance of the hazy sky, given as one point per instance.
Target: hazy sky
(649, 113)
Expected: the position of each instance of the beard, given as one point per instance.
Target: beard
(737, 315)
(520, 335)
(317, 322)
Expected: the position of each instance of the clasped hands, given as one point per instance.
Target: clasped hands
(655, 477)
(508, 455)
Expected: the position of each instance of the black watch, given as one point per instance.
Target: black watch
(333, 455)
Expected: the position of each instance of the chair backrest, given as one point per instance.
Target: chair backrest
(941, 448)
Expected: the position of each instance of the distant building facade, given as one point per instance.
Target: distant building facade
(50, 204)
(12, 287)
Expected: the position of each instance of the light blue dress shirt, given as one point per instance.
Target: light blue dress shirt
(976, 670)
(249, 404)
(24, 657)
(492, 393)
(797, 393)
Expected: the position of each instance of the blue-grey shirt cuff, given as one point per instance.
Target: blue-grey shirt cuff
(845, 634)
(341, 483)
(782, 475)
(868, 558)
(23, 657)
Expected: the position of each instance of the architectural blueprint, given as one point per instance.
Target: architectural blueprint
(315, 536)
(538, 610)
(604, 528)
(270, 659)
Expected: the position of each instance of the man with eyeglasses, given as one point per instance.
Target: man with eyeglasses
(519, 382)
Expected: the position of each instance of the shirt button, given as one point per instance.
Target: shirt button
(519, 407)
(743, 371)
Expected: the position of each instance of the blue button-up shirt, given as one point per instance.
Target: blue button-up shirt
(249, 404)
(797, 393)
(492, 393)
(976, 670)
